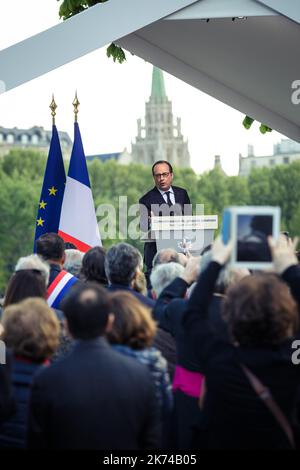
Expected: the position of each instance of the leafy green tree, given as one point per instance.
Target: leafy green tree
(238, 191)
(28, 163)
(259, 184)
(18, 206)
(294, 223)
(278, 186)
(213, 191)
(21, 177)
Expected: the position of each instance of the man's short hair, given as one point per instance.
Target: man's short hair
(166, 255)
(162, 161)
(50, 246)
(121, 263)
(86, 308)
(163, 275)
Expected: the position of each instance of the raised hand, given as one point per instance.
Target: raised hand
(221, 252)
(283, 252)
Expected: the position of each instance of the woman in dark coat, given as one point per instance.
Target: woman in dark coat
(263, 323)
(31, 331)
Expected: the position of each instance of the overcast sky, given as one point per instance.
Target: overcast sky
(113, 96)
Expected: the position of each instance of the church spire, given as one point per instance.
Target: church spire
(158, 85)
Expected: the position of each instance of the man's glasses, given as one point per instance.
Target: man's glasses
(161, 175)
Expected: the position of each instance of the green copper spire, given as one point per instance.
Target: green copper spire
(158, 84)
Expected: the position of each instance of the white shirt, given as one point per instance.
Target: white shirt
(165, 196)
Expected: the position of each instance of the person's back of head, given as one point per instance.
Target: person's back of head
(163, 274)
(51, 247)
(70, 246)
(260, 311)
(133, 325)
(122, 263)
(166, 255)
(31, 329)
(229, 276)
(87, 308)
(23, 284)
(93, 268)
(35, 263)
(73, 261)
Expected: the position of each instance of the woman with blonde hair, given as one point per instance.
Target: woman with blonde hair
(31, 331)
(132, 334)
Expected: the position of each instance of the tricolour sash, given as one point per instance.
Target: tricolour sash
(59, 287)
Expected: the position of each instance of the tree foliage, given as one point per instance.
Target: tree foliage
(21, 177)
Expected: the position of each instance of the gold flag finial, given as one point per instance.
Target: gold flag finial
(53, 107)
(76, 106)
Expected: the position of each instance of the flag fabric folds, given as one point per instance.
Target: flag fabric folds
(52, 194)
(78, 223)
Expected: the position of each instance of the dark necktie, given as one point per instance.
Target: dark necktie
(169, 202)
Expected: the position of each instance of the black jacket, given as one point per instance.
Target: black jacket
(7, 404)
(154, 198)
(13, 431)
(95, 398)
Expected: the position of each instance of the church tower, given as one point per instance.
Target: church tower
(159, 138)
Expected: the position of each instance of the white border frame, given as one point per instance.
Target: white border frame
(252, 210)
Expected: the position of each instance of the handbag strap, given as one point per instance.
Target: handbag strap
(265, 395)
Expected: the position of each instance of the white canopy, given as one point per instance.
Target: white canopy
(249, 63)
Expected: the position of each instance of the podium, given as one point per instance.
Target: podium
(189, 233)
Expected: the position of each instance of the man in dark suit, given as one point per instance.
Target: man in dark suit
(51, 247)
(163, 199)
(95, 398)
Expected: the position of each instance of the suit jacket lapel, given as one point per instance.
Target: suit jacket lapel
(158, 196)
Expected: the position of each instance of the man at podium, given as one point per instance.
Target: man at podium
(163, 199)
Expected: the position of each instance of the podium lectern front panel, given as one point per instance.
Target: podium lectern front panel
(184, 233)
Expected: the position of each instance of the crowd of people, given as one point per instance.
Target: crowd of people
(198, 357)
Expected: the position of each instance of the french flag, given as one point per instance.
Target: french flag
(78, 223)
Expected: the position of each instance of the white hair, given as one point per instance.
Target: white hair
(34, 262)
(73, 261)
(163, 274)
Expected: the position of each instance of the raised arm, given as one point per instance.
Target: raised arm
(286, 264)
(195, 320)
(170, 304)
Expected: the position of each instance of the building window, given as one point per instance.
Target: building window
(1, 138)
(34, 139)
(272, 162)
(10, 139)
(286, 160)
(24, 139)
(253, 163)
